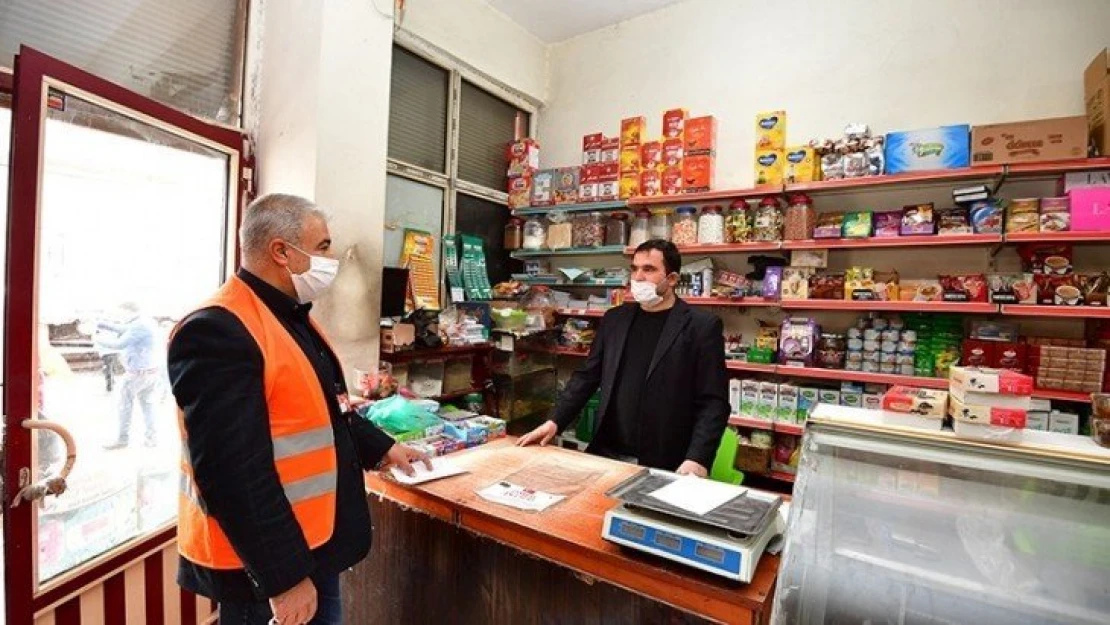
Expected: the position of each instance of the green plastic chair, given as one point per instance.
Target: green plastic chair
(724, 464)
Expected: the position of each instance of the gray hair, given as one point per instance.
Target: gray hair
(274, 216)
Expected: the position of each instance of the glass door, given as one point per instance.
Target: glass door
(121, 220)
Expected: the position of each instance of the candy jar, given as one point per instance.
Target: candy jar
(514, 234)
(660, 224)
(684, 231)
(535, 234)
(767, 221)
(737, 223)
(800, 218)
(711, 226)
(641, 228)
(616, 229)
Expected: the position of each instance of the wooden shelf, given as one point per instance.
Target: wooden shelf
(860, 376)
(906, 241)
(1058, 237)
(937, 307)
(709, 196)
(759, 424)
(572, 208)
(1067, 312)
(569, 351)
(754, 367)
(912, 178)
(734, 303)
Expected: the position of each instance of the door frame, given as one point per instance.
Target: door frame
(35, 72)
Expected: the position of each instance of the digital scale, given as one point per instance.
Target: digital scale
(726, 541)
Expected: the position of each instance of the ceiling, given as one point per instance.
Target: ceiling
(557, 20)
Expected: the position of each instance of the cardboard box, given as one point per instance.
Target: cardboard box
(944, 147)
(543, 188)
(588, 183)
(566, 185)
(852, 398)
(800, 165)
(749, 397)
(828, 396)
(629, 185)
(630, 160)
(674, 123)
(1090, 208)
(989, 433)
(399, 337)
(872, 401)
(701, 136)
(524, 157)
(768, 402)
(1056, 139)
(651, 182)
(591, 148)
(699, 173)
(672, 153)
(994, 381)
(807, 400)
(1063, 422)
(671, 181)
(770, 130)
(787, 408)
(986, 414)
(651, 155)
(633, 130)
(923, 402)
(1096, 93)
(769, 166)
(520, 192)
(734, 386)
(611, 150)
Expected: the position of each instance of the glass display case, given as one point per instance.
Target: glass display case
(924, 528)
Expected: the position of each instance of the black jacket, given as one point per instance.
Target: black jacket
(685, 406)
(216, 371)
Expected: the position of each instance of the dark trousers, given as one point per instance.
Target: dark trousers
(329, 610)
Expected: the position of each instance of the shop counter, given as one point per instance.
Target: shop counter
(442, 552)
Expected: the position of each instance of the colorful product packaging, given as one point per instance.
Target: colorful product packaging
(944, 147)
(610, 150)
(524, 157)
(770, 131)
(698, 173)
(629, 185)
(769, 166)
(700, 136)
(543, 188)
(520, 192)
(633, 130)
(674, 123)
(800, 165)
(591, 148)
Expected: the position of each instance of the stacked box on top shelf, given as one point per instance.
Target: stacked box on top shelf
(674, 136)
(631, 142)
(699, 154)
(770, 147)
(524, 162)
(989, 404)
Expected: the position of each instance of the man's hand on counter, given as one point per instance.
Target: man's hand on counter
(692, 468)
(403, 457)
(541, 435)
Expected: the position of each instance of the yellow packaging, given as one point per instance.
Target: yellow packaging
(630, 160)
(630, 185)
(800, 165)
(770, 130)
(769, 166)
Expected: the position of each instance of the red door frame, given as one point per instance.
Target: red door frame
(32, 68)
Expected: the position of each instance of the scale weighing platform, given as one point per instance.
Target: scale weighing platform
(726, 541)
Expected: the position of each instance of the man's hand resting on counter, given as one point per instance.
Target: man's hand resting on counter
(403, 457)
(541, 435)
(692, 468)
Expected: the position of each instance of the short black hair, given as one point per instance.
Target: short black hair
(672, 260)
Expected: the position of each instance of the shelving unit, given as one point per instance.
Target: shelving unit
(744, 302)
(770, 426)
(709, 196)
(936, 307)
(1067, 312)
(580, 312)
(572, 208)
(572, 251)
(900, 241)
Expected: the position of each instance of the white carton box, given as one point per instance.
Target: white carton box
(749, 397)
(787, 410)
(734, 387)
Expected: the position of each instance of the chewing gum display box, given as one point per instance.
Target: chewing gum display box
(987, 415)
(992, 381)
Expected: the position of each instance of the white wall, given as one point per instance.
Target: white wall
(483, 37)
(896, 65)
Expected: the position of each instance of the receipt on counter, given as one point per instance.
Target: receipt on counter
(441, 468)
(508, 494)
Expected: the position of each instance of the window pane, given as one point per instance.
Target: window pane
(132, 227)
(486, 127)
(485, 219)
(418, 112)
(185, 54)
(415, 206)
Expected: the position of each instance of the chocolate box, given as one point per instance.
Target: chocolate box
(701, 136)
(632, 132)
(698, 173)
(591, 148)
(1056, 139)
(923, 402)
(986, 414)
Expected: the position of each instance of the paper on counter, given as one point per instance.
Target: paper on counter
(508, 494)
(441, 468)
(697, 495)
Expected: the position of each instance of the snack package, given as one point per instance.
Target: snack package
(520, 192)
(1012, 288)
(818, 259)
(964, 288)
(986, 415)
(786, 454)
(916, 401)
(769, 166)
(1055, 214)
(674, 123)
(772, 283)
(670, 182)
(827, 286)
(543, 188)
(887, 285)
(795, 283)
(630, 185)
(631, 158)
(651, 182)
(591, 148)
(986, 216)
(566, 185)
(611, 150)
(770, 131)
(953, 221)
(800, 165)
(888, 224)
(857, 225)
(524, 157)
(1094, 287)
(1055, 290)
(829, 226)
(672, 152)
(768, 401)
(632, 131)
(918, 219)
(700, 136)
(990, 381)
(1023, 215)
(797, 341)
(859, 283)
(651, 155)
(920, 291)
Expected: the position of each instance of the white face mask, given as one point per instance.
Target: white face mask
(312, 283)
(643, 291)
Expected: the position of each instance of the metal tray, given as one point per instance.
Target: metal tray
(743, 516)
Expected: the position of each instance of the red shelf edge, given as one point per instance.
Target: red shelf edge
(580, 312)
(860, 376)
(724, 301)
(899, 241)
(706, 196)
(755, 367)
(898, 306)
(1058, 167)
(938, 176)
(1058, 237)
(1076, 396)
(779, 475)
(1063, 312)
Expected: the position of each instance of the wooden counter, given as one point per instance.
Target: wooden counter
(569, 534)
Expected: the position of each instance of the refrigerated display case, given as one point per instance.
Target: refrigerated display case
(918, 527)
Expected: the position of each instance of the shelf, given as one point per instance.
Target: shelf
(448, 351)
(456, 394)
(572, 208)
(860, 376)
(782, 477)
(936, 307)
(906, 241)
(708, 196)
(1057, 167)
(754, 367)
(911, 178)
(743, 302)
(1058, 237)
(568, 351)
(573, 251)
(580, 312)
(1047, 393)
(759, 424)
(1069, 312)
(723, 248)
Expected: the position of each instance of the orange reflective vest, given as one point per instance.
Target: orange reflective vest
(300, 427)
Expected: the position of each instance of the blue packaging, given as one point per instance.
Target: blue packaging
(945, 147)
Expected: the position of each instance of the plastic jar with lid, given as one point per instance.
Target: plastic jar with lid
(800, 218)
(660, 227)
(738, 226)
(767, 220)
(616, 229)
(684, 230)
(514, 234)
(535, 234)
(641, 228)
(589, 230)
(711, 226)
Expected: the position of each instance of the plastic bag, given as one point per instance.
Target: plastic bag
(397, 415)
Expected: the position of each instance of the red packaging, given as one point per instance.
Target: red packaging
(607, 172)
(978, 353)
(611, 150)
(1049, 258)
(674, 123)
(651, 155)
(1011, 356)
(588, 183)
(701, 135)
(524, 157)
(591, 148)
(632, 132)
(964, 288)
(671, 181)
(698, 173)
(520, 192)
(651, 182)
(672, 153)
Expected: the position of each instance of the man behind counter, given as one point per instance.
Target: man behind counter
(660, 365)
